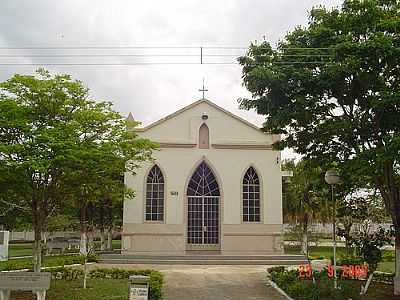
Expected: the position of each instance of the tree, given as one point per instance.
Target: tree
(52, 139)
(362, 207)
(368, 245)
(332, 89)
(305, 200)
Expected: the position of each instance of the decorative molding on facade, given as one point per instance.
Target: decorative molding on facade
(243, 146)
(177, 145)
(253, 234)
(193, 105)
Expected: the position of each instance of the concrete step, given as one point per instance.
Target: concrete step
(205, 259)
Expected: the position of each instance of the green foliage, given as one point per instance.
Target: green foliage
(350, 260)
(60, 150)
(66, 273)
(52, 261)
(305, 193)
(332, 90)
(368, 246)
(105, 275)
(322, 287)
(155, 283)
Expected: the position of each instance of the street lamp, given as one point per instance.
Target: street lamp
(332, 178)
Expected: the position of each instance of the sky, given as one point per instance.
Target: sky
(152, 91)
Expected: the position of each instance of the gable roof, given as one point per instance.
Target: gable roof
(212, 104)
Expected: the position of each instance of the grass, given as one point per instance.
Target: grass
(322, 287)
(351, 289)
(24, 249)
(387, 265)
(104, 289)
(27, 263)
(97, 289)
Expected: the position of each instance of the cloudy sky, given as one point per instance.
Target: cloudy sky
(148, 91)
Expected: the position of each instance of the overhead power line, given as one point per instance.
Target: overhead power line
(156, 63)
(184, 55)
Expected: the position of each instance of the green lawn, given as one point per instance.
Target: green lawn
(387, 265)
(103, 289)
(24, 249)
(48, 261)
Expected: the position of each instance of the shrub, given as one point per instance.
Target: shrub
(66, 273)
(350, 260)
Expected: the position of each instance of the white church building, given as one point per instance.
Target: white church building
(215, 185)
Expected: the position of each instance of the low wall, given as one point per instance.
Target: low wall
(29, 236)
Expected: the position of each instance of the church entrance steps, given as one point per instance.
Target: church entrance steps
(207, 259)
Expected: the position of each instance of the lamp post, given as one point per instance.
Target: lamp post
(332, 178)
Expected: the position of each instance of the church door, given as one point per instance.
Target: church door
(203, 210)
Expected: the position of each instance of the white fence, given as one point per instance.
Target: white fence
(29, 236)
(327, 228)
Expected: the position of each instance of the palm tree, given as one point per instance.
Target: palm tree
(305, 200)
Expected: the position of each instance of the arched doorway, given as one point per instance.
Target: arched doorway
(203, 197)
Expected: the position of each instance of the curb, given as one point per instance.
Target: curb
(280, 291)
(46, 268)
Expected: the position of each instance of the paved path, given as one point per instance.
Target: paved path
(213, 282)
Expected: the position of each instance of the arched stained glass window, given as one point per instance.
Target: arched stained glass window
(251, 196)
(203, 182)
(155, 195)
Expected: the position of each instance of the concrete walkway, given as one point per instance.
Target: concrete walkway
(212, 282)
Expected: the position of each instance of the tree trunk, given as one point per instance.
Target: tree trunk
(37, 228)
(390, 192)
(304, 244)
(37, 250)
(85, 273)
(102, 239)
(396, 279)
(83, 244)
(109, 222)
(83, 225)
(109, 239)
(102, 225)
(364, 289)
(91, 241)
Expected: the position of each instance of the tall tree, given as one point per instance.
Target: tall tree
(52, 135)
(332, 89)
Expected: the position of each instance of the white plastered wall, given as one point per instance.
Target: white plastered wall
(228, 165)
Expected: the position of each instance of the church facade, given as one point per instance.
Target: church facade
(215, 185)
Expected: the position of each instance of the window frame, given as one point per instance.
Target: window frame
(145, 196)
(261, 202)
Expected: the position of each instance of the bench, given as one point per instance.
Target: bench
(38, 283)
(62, 243)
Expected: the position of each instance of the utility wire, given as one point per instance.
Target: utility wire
(5, 57)
(146, 47)
(157, 63)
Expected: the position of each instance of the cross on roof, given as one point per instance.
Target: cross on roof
(203, 89)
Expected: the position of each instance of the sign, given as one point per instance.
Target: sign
(24, 281)
(138, 292)
(174, 193)
(346, 271)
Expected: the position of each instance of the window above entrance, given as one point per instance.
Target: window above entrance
(204, 137)
(203, 182)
